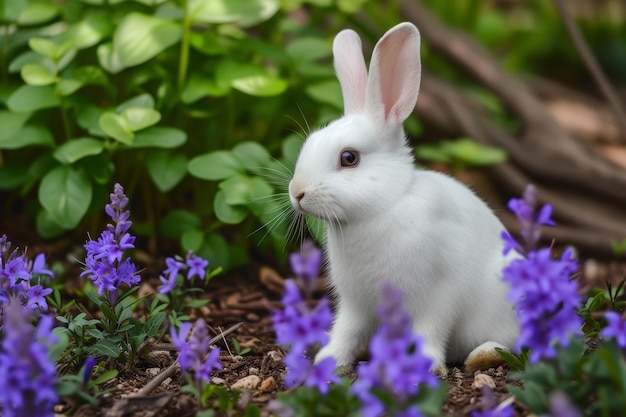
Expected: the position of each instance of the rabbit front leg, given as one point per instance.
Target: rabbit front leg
(349, 330)
(434, 347)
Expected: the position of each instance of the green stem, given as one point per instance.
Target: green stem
(5, 53)
(183, 63)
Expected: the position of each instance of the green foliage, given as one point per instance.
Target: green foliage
(80, 391)
(619, 247)
(155, 91)
(594, 381)
(461, 153)
(309, 402)
(237, 347)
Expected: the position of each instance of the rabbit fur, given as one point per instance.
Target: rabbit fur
(423, 231)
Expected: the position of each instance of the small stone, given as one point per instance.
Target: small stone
(268, 384)
(218, 381)
(275, 356)
(252, 317)
(480, 380)
(249, 382)
(153, 371)
(253, 371)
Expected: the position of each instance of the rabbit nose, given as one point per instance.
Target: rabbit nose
(300, 196)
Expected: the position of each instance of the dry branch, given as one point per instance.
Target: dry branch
(588, 191)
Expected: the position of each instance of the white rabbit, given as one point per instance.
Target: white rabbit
(423, 231)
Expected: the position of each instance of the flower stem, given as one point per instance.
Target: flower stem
(183, 62)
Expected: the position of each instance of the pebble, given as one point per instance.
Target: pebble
(249, 382)
(218, 381)
(252, 317)
(480, 380)
(268, 384)
(153, 371)
(253, 371)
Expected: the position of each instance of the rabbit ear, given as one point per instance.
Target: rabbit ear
(395, 73)
(351, 70)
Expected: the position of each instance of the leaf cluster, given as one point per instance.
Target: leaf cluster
(152, 92)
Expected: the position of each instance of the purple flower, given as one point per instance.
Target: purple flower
(90, 363)
(303, 328)
(195, 265)
(616, 328)
(397, 365)
(531, 218)
(169, 284)
(560, 406)
(16, 274)
(104, 263)
(306, 263)
(27, 385)
(36, 297)
(490, 406)
(545, 298)
(191, 354)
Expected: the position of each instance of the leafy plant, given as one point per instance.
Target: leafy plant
(461, 154)
(157, 91)
(239, 351)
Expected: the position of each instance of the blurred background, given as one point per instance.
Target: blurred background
(199, 108)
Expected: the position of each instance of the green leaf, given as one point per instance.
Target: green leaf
(138, 38)
(46, 227)
(166, 170)
(309, 49)
(28, 57)
(243, 12)
(10, 10)
(327, 92)
(37, 12)
(290, 149)
(66, 87)
(108, 313)
(153, 324)
(225, 212)
(214, 166)
(236, 190)
(242, 190)
(11, 123)
(65, 193)
(36, 74)
(30, 98)
(260, 85)
(252, 155)
(138, 118)
(76, 149)
(99, 167)
(159, 137)
(142, 100)
(107, 348)
(28, 136)
(177, 222)
(45, 47)
(105, 376)
(88, 32)
(116, 127)
(200, 86)
(192, 240)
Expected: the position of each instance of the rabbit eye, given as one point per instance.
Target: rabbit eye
(349, 158)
